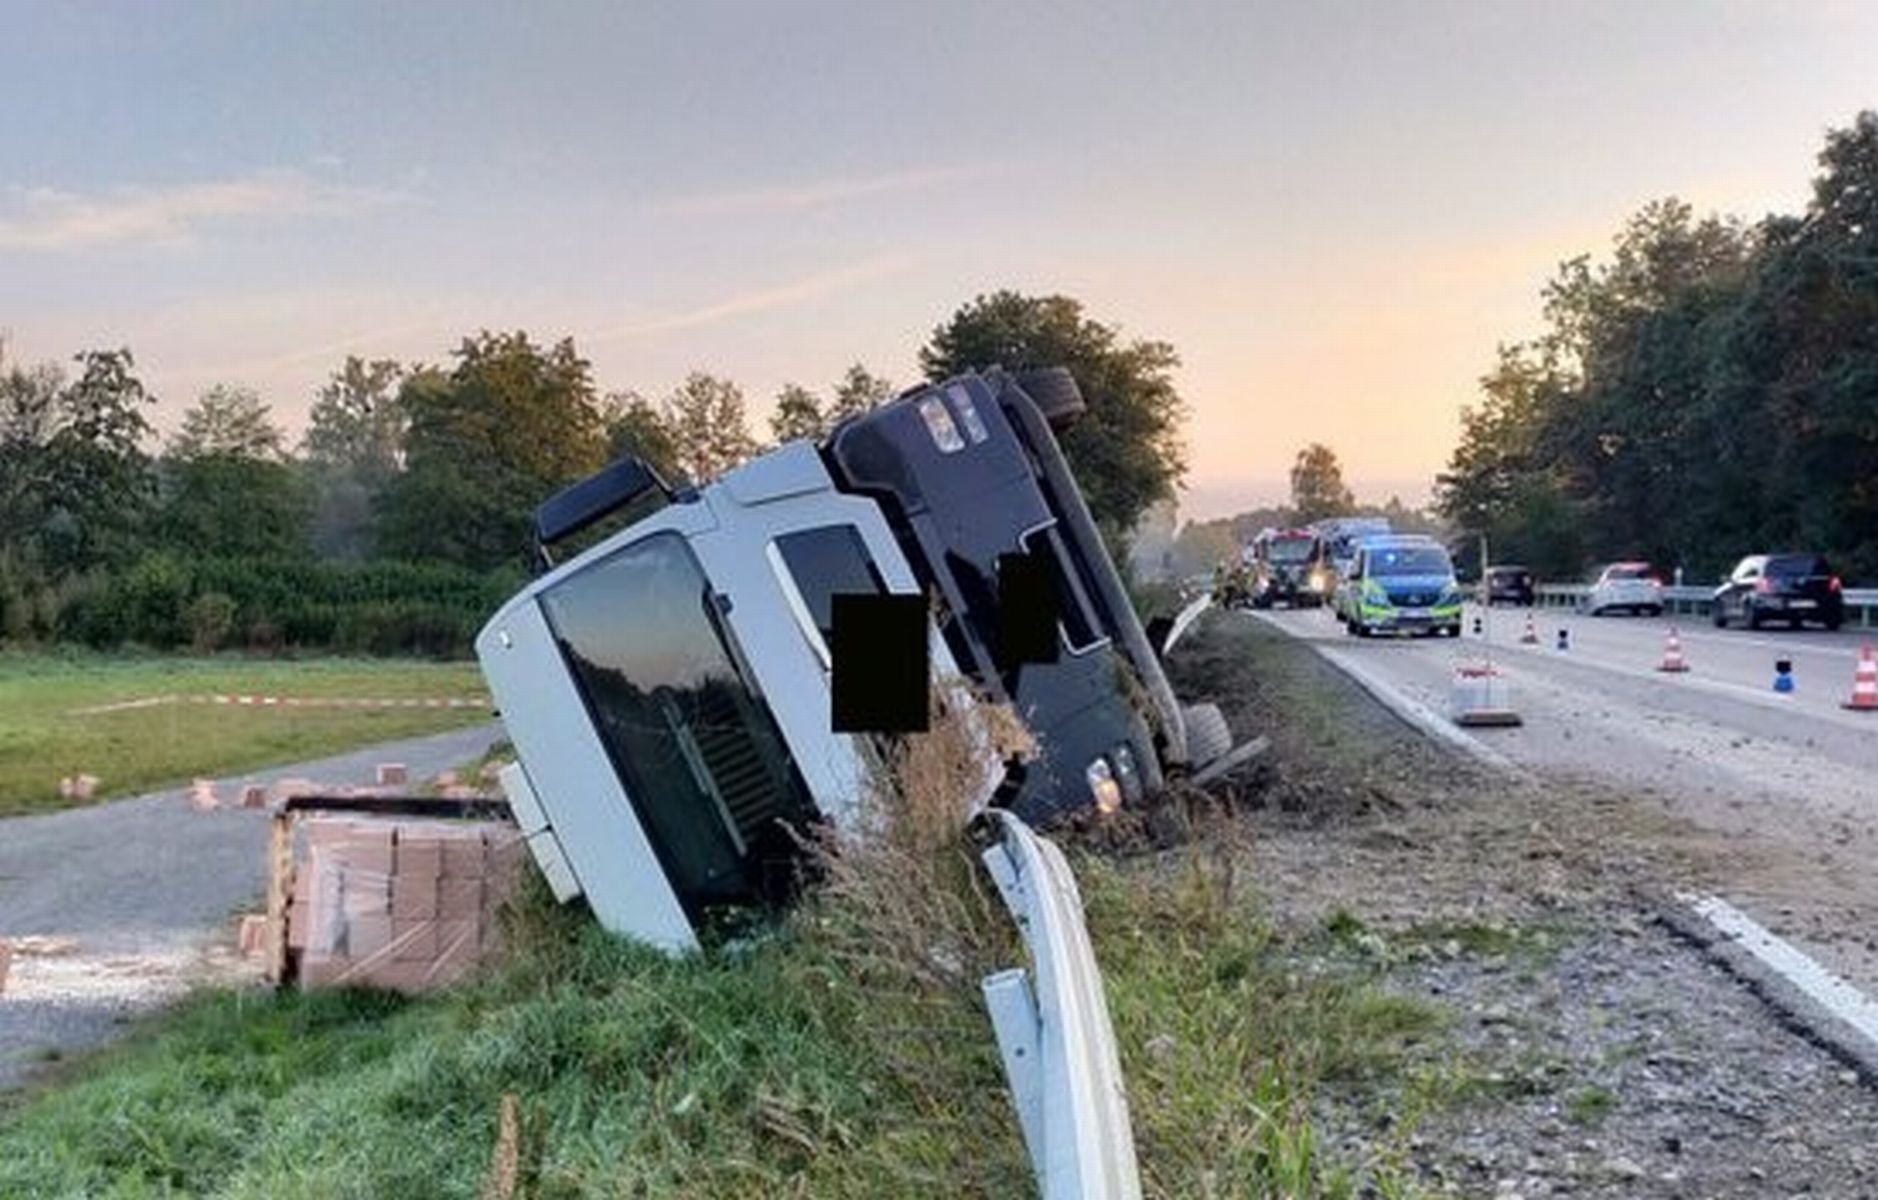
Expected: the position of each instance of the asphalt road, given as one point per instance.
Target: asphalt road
(1787, 784)
(134, 900)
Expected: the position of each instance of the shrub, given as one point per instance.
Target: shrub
(369, 608)
(209, 618)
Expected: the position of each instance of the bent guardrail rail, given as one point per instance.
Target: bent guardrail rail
(1053, 1030)
(1861, 604)
(1184, 621)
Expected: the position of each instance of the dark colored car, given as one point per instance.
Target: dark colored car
(1794, 588)
(1509, 585)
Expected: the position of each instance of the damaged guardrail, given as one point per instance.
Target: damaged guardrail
(1052, 1026)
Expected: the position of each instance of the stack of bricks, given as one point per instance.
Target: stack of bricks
(401, 904)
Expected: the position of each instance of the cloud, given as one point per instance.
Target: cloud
(794, 197)
(811, 287)
(53, 220)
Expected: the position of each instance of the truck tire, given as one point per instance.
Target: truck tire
(1207, 734)
(1056, 395)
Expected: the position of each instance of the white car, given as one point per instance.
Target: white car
(1626, 587)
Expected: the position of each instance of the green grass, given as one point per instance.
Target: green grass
(1590, 1105)
(134, 750)
(842, 1053)
(818, 1060)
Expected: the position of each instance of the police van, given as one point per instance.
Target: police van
(1402, 583)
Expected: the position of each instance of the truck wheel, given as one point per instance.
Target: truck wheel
(1208, 736)
(1056, 395)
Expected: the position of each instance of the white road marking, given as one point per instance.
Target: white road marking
(1820, 985)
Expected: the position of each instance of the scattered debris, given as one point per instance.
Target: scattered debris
(251, 935)
(78, 787)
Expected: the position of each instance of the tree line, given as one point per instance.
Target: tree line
(1709, 391)
(401, 518)
(1318, 491)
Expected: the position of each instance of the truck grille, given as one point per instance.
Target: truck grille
(736, 763)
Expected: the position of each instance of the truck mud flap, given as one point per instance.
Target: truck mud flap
(1052, 1026)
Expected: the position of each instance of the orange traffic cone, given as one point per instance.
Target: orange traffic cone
(1865, 683)
(1672, 653)
(1531, 636)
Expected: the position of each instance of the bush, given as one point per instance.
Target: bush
(209, 618)
(164, 601)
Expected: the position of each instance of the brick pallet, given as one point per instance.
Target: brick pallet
(388, 895)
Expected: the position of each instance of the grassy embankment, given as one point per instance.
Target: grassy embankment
(845, 1054)
(43, 738)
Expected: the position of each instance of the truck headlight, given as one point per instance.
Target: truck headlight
(945, 434)
(1317, 582)
(1102, 786)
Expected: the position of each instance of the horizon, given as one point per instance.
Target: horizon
(1333, 236)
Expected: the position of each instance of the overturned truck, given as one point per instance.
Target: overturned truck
(693, 689)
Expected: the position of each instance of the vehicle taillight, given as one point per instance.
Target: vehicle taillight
(1763, 584)
(1834, 584)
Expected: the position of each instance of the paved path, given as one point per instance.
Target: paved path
(138, 896)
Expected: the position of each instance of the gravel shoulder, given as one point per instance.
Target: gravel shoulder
(115, 908)
(1589, 1050)
(1783, 800)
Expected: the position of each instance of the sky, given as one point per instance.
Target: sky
(1333, 211)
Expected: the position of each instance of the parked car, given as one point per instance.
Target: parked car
(1795, 588)
(1403, 585)
(1509, 585)
(1632, 587)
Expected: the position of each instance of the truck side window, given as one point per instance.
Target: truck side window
(695, 745)
(1081, 630)
(823, 562)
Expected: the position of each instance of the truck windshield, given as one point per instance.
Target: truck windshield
(1292, 550)
(695, 746)
(1409, 560)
